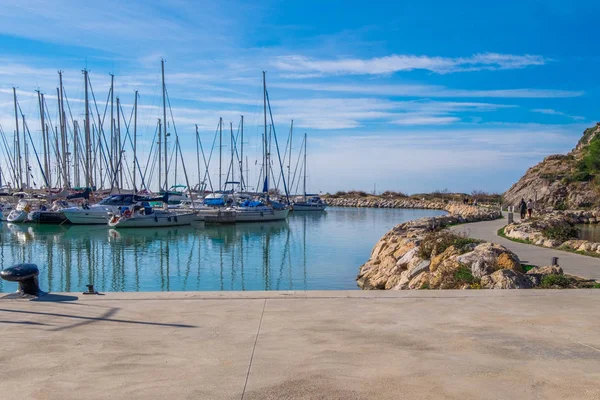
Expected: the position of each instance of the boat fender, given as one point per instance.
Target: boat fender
(169, 219)
(155, 218)
(175, 217)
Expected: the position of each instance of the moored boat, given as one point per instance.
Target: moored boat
(146, 217)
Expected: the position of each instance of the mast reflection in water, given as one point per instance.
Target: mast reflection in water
(309, 251)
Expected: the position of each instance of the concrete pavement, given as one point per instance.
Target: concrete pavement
(480, 344)
(571, 263)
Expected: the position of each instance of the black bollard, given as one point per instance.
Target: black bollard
(27, 277)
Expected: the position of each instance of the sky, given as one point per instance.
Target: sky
(404, 96)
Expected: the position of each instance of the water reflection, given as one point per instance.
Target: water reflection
(309, 251)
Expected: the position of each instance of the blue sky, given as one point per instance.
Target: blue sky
(411, 96)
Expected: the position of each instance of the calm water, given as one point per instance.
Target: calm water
(309, 251)
(589, 232)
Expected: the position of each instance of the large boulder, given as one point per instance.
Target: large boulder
(506, 279)
(546, 270)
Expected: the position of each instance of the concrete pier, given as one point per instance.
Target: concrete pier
(480, 344)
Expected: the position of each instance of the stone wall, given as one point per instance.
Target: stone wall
(533, 230)
(385, 203)
(396, 263)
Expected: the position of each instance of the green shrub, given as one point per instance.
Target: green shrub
(438, 241)
(463, 275)
(561, 233)
(596, 286)
(424, 286)
(550, 281)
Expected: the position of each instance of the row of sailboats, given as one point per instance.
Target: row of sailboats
(102, 163)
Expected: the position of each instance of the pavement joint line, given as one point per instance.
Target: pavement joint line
(525, 293)
(254, 348)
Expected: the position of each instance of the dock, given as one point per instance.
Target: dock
(470, 344)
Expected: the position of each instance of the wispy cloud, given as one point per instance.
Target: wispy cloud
(400, 62)
(550, 111)
(424, 90)
(416, 119)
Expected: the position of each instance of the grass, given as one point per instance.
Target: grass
(552, 281)
(562, 248)
(464, 275)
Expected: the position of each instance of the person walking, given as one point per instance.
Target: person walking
(529, 208)
(523, 208)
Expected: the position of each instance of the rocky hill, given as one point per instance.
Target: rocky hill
(570, 181)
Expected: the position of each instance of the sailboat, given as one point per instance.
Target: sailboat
(258, 210)
(308, 202)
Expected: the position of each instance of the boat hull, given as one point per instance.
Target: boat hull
(308, 207)
(47, 217)
(152, 221)
(86, 217)
(17, 216)
(261, 215)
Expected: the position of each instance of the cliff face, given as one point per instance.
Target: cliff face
(560, 181)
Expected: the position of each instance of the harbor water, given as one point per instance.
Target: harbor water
(309, 251)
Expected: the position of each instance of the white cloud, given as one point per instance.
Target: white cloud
(308, 67)
(550, 111)
(416, 119)
(424, 90)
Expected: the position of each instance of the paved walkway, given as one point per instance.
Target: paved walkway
(574, 264)
(484, 345)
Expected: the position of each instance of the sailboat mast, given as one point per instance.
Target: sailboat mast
(18, 144)
(63, 134)
(290, 156)
(159, 153)
(135, 139)
(304, 167)
(242, 183)
(232, 155)
(266, 144)
(164, 93)
(44, 141)
(198, 159)
(26, 152)
(88, 141)
(220, 151)
(112, 128)
(76, 154)
(119, 150)
(47, 153)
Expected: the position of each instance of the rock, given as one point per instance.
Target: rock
(403, 282)
(421, 281)
(546, 270)
(416, 266)
(506, 279)
(481, 268)
(444, 275)
(437, 260)
(406, 258)
(509, 261)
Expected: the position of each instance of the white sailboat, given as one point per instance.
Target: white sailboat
(146, 217)
(255, 210)
(308, 202)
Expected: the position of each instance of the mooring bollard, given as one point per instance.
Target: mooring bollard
(27, 277)
(554, 260)
(511, 218)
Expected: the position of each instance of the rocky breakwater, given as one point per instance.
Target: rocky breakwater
(555, 230)
(421, 254)
(374, 202)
